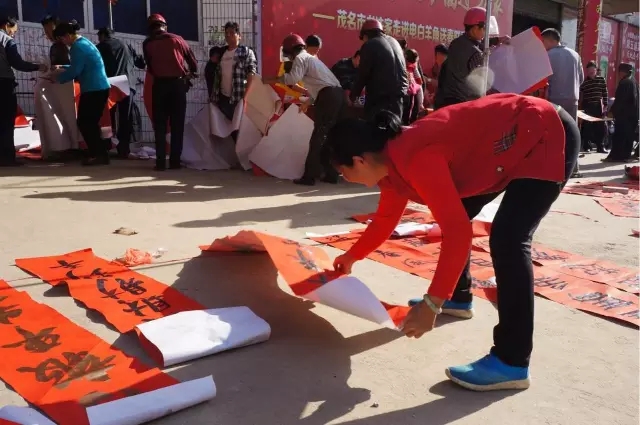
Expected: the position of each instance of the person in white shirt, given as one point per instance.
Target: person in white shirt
(330, 103)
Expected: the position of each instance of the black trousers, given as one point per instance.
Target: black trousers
(169, 106)
(623, 137)
(8, 112)
(525, 203)
(228, 109)
(373, 105)
(124, 129)
(410, 109)
(330, 107)
(593, 132)
(90, 109)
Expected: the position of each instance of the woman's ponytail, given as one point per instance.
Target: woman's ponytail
(386, 126)
(75, 26)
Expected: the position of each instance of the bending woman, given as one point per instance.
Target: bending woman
(455, 161)
(87, 67)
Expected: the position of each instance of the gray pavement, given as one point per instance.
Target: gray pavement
(320, 366)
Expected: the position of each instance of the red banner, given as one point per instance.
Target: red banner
(60, 367)
(423, 23)
(629, 46)
(589, 13)
(607, 58)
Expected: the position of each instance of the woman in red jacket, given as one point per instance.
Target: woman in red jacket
(456, 161)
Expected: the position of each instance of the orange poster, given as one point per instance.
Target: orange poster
(306, 269)
(620, 207)
(124, 297)
(60, 367)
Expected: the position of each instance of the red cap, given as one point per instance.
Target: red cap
(475, 15)
(370, 24)
(290, 42)
(156, 18)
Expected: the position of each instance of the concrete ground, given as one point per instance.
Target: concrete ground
(321, 366)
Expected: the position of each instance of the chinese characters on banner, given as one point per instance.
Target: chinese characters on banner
(124, 297)
(629, 46)
(591, 285)
(352, 21)
(60, 367)
(607, 57)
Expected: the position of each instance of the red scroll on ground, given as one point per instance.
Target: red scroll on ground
(591, 285)
(60, 367)
(618, 203)
(124, 297)
(305, 268)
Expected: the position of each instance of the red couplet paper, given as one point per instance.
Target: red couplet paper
(61, 368)
(124, 297)
(596, 286)
(305, 268)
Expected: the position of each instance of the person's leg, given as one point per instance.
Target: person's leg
(321, 119)
(90, 110)
(160, 106)
(525, 204)
(7, 123)
(124, 127)
(406, 111)
(178, 115)
(337, 112)
(461, 302)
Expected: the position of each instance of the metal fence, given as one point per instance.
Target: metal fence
(214, 14)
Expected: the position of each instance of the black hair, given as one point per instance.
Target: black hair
(551, 33)
(592, 64)
(9, 21)
(49, 19)
(215, 50)
(411, 55)
(442, 49)
(356, 54)
(232, 25)
(105, 32)
(468, 28)
(295, 51)
(355, 137)
(66, 28)
(403, 43)
(313, 41)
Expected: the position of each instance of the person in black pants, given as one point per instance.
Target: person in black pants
(9, 59)
(625, 112)
(172, 63)
(88, 69)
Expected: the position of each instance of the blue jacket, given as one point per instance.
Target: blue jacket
(86, 66)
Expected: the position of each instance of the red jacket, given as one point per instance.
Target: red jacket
(463, 150)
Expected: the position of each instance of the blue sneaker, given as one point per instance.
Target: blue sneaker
(460, 310)
(490, 374)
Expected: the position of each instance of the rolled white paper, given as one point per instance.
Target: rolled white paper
(193, 334)
(145, 407)
(24, 416)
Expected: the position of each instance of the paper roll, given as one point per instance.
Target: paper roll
(24, 416)
(142, 408)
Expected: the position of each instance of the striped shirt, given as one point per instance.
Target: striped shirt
(594, 90)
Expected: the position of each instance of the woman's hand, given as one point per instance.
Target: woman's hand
(421, 319)
(344, 263)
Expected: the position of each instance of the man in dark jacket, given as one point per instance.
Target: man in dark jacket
(382, 71)
(346, 70)
(10, 59)
(625, 113)
(118, 61)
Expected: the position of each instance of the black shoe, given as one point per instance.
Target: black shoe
(305, 181)
(102, 160)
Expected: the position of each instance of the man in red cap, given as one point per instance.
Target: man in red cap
(172, 64)
(382, 71)
(457, 82)
(326, 93)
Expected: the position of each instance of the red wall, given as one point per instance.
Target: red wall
(607, 55)
(424, 23)
(629, 46)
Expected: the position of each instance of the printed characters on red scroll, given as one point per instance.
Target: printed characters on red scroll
(525, 158)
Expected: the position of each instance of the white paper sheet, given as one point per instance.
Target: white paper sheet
(262, 104)
(488, 212)
(219, 125)
(310, 235)
(193, 334)
(121, 82)
(283, 152)
(203, 151)
(26, 138)
(583, 116)
(520, 64)
(351, 295)
(248, 138)
(24, 416)
(142, 408)
(411, 228)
